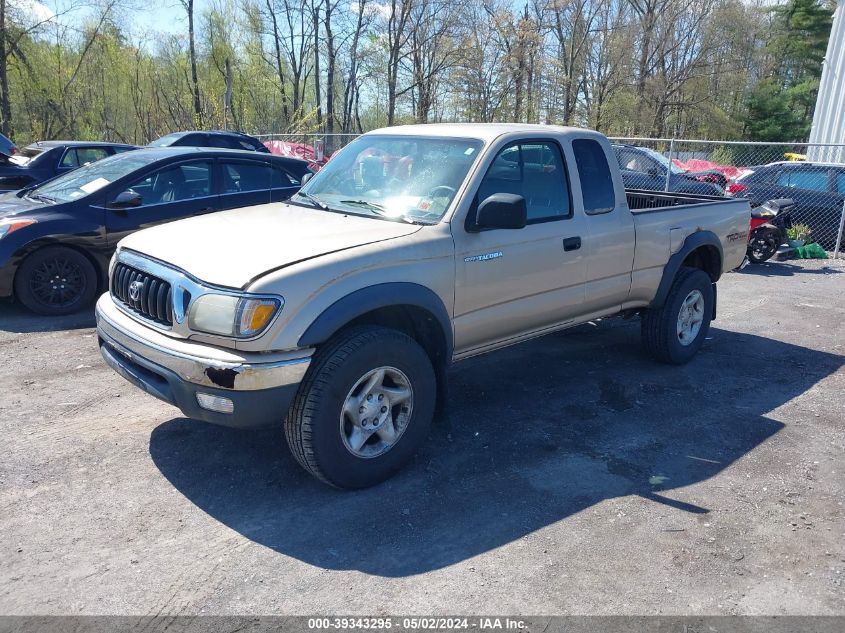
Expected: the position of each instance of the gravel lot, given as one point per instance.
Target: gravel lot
(571, 476)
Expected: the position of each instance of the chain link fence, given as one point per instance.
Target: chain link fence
(812, 175)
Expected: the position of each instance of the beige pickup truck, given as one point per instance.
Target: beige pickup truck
(338, 312)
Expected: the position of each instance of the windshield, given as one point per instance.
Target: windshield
(88, 179)
(663, 160)
(411, 178)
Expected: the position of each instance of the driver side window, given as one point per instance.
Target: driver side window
(535, 171)
(173, 184)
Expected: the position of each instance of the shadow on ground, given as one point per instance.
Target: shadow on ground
(785, 269)
(16, 318)
(533, 434)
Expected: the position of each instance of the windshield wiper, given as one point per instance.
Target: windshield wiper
(40, 197)
(378, 209)
(314, 200)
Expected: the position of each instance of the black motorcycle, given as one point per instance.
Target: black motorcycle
(769, 224)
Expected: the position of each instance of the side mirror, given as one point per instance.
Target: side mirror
(126, 200)
(654, 171)
(502, 211)
(306, 178)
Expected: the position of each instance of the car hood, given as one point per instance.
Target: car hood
(233, 248)
(12, 206)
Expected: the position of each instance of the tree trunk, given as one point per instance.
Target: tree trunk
(315, 14)
(195, 87)
(5, 100)
(351, 86)
(279, 68)
(330, 65)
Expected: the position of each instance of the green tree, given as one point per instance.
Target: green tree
(781, 105)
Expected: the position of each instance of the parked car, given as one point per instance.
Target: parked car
(644, 168)
(211, 138)
(340, 310)
(818, 190)
(7, 149)
(48, 159)
(56, 238)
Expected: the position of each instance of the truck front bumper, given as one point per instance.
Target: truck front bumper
(206, 383)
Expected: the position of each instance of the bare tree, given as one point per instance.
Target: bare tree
(351, 90)
(278, 60)
(432, 52)
(5, 100)
(398, 34)
(188, 5)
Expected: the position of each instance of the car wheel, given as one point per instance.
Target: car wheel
(364, 407)
(761, 248)
(56, 280)
(674, 332)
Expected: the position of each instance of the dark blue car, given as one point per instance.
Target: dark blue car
(645, 169)
(48, 159)
(56, 238)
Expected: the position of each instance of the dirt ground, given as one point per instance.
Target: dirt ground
(571, 475)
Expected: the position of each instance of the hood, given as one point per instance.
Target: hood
(232, 248)
(12, 206)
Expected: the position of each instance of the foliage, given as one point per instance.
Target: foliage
(780, 106)
(690, 68)
(799, 232)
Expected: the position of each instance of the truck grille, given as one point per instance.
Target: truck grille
(153, 299)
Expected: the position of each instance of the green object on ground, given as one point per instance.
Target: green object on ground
(811, 251)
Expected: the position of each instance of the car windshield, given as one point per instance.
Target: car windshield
(663, 160)
(165, 141)
(403, 178)
(88, 179)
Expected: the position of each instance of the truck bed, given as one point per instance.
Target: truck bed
(664, 220)
(644, 200)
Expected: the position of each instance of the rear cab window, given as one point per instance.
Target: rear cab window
(597, 188)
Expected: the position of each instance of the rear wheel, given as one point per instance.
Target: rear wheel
(674, 332)
(56, 280)
(364, 407)
(762, 247)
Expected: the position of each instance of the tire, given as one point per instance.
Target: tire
(56, 280)
(661, 326)
(325, 438)
(761, 248)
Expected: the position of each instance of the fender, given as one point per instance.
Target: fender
(18, 245)
(372, 298)
(692, 242)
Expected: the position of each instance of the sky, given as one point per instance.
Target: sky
(165, 16)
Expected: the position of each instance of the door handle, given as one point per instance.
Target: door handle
(571, 243)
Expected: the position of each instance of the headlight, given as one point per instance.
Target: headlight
(11, 225)
(229, 315)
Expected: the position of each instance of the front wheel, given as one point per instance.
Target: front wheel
(56, 280)
(674, 332)
(364, 407)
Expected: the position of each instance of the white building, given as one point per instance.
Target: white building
(829, 117)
